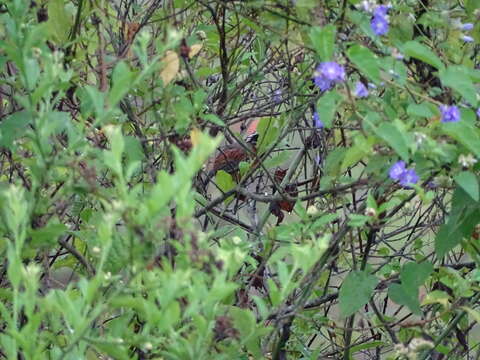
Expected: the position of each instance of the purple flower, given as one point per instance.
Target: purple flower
(322, 83)
(361, 90)
(382, 10)
(328, 74)
(408, 177)
(397, 170)
(332, 71)
(404, 176)
(432, 184)
(277, 96)
(478, 112)
(449, 113)
(316, 121)
(467, 38)
(379, 25)
(466, 26)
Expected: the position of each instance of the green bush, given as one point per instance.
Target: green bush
(349, 230)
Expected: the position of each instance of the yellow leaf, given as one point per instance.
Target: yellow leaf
(194, 50)
(437, 297)
(473, 313)
(172, 65)
(195, 136)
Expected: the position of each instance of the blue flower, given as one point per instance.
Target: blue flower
(361, 90)
(332, 71)
(327, 74)
(478, 112)
(397, 170)
(404, 176)
(467, 38)
(449, 113)
(382, 10)
(409, 177)
(316, 121)
(322, 83)
(466, 26)
(379, 25)
(277, 96)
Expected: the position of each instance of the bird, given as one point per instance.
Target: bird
(230, 156)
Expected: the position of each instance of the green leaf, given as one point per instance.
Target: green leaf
(278, 159)
(360, 150)
(214, 119)
(135, 151)
(334, 161)
(48, 235)
(327, 107)
(465, 133)
(394, 138)
(421, 52)
(365, 346)
(413, 275)
(358, 220)
(59, 22)
(420, 110)
(469, 182)
(462, 220)
(91, 100)
(170, 317)
(356, 291)
(225, 182)
(365, 60)
(116, 351)
(243, 320)
(268, 133)
(323, 41)
(399, 295)
(13, 127)
(457, 78)
(122, 81)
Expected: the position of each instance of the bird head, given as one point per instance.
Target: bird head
(252, 138)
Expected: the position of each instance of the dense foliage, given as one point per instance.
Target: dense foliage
(246, 179)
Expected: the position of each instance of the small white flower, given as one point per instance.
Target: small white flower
(420, 138)
(366, 5)
(236, 240)
(393, 73)
(400, 349)
(31, 270)
(370, 212)
(201, 35)
(467, 160)
(37, 52)
(312, 210)
(419, 344)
